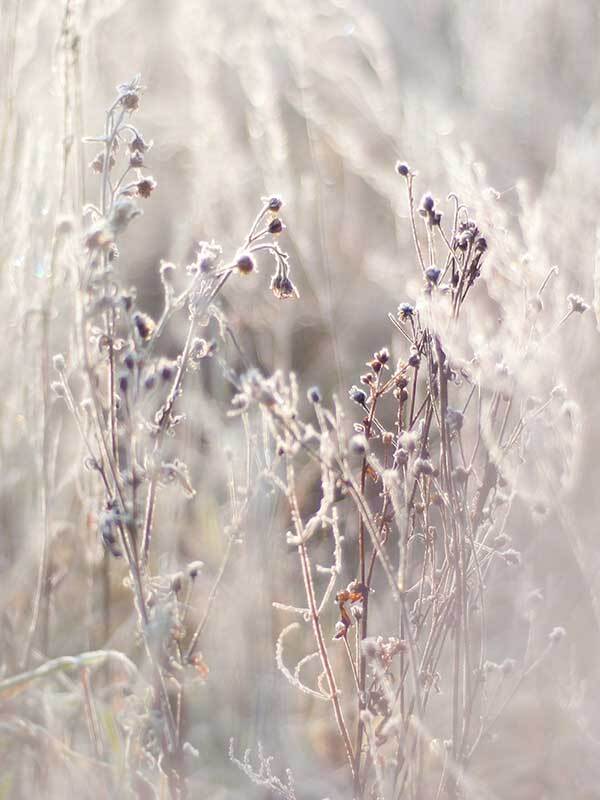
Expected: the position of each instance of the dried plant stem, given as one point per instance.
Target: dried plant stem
(166, 415)
(211, 598)
(314, 615)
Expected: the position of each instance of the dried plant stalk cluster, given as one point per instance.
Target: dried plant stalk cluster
(429, 471)
(390, 644)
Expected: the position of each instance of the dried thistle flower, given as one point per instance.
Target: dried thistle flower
(245, 263)
(577, 304)
(145, 186)
(144, 325)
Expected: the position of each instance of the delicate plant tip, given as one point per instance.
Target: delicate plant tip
(138, 145)
(129, 94)
(245, 263)
(414, 359)
(358, 396)
(406, 311)
(359, 445)
(556, 635)
(433, 275)
(274, 203)
(383, 355)
(512, 558)
(282, 287)
(207, 257)
(144, 325)
(427, 202)
(136, 159)
(58, 362)
(58, 388)
(423, 466)
(177, 582)
(402, 168)
(194, 568)
(275, 226)
(128, 300)
(146, 186)
(577, 304)
(314, 395)
(166, 369)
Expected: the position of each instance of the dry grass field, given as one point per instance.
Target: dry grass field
(300, 312)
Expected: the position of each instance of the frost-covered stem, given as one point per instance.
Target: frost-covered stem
(314, 615)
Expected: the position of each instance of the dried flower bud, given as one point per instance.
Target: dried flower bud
(401, 457)
(275, 226)
(358, 396)
(166, 369)
(128, 300)
(130, 98)
(423, 466)
(314, 395)
(137, 144)
(245, 263)
(557, 634)
(58, 362)
(402, 168)
(427, 202)
(359, 445)
(136, 159)
(577, 304)
(177, 582)
(144, 325)
(383, 355)
(145, 186)
(274, 203)
(282, 287)
(406, 311)
(414, 359)
(433, 275)
(194, 568)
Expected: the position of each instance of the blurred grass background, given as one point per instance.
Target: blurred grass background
(497, 102)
